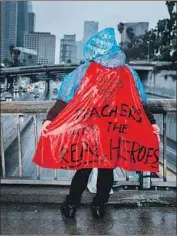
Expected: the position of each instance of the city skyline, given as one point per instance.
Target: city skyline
(8, 27)
(68, 17)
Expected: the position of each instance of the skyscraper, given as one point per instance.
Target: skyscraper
(68, 48)
(22, 22)
(30, 7)
(90, 28)
(31, 21)
(79, 54)
(8, 27)
(31, 18)
(44, 44)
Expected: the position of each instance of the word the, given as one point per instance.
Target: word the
(122, 128)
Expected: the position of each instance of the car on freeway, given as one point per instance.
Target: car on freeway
(16, 88)
(35, 95)
(36, 92)
(24, 90)
(2, 97)
(2, 88)
(9, 98)
(55, 90)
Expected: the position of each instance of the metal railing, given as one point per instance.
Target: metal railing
(35, 109)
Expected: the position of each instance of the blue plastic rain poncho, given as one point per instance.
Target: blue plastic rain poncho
(101, 48)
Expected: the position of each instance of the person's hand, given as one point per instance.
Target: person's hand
(44, 127)
(156, 131)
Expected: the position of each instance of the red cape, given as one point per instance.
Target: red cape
(103, 126)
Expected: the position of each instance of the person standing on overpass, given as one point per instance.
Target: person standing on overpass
(101, 51)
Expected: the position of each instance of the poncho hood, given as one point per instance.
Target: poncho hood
(103, 49)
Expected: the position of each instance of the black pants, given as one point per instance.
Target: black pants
(80, 180)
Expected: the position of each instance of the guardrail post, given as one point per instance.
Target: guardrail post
(2, 153)
(19, 148)
(36, 141)
(127, 175)
(164, 147)
(55, 174)
(144, 180)
(141, 179)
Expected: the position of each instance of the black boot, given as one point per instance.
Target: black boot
(98, 209)
(68, 208)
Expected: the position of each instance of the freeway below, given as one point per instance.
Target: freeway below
(28, 149)
(25, 96)
(10, 121)
(28, 142)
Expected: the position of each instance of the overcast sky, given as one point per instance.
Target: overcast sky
(67, 17)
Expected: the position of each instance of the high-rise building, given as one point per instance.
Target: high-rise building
(44, 44)
(8, 27)
(30, 7)
(31, 18)
(139, 28)
(31, 21)
(68, 49)
(79, 54)
(22, 22)
(90, 28)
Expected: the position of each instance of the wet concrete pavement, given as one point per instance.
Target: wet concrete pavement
(46, 219)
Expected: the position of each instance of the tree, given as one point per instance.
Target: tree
(7, 63)
(34, 78)
(30, 59)
(174, 56)
(120, 28)
(68, 61)
(16, 53)
(170, 6)
(158, 43)
(165, 53)
(130, 33)
(11, 49)
(24, 62)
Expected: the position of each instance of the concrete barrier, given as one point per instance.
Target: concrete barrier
(120, 197)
